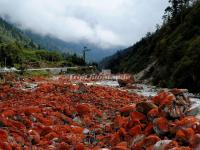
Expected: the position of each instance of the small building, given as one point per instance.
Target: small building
(106, 71)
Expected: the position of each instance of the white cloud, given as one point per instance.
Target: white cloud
(105, 23)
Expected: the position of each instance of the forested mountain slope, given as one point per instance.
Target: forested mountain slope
(18, 49)
(9, 34)
(172, 51)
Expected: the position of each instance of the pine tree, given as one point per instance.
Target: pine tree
(174, 6)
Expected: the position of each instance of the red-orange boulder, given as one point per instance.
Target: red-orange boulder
(136, 130)
(3, 135)
(161, 125)
(34, 136)
(79, 146)
(126, 110)
(83, 109)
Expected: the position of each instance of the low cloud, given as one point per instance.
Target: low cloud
(105, 23)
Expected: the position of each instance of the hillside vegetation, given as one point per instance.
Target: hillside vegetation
(18, 50)
(172, 51)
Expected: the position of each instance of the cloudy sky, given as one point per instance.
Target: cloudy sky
(105, 23)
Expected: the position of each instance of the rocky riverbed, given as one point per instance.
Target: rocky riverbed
(61, 114)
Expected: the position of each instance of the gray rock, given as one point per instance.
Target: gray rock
(194, 110)
(137, 139)
(77, 120)
(86, 131)
(160, 145)
(55, 140)
(144, 107)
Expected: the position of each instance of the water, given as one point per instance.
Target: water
(109, 83)
(146, 90)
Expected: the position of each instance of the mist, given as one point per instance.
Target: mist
(104, 23)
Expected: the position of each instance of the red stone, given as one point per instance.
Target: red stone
(137, 116)
(195, 141)
(115, 139)
(76, 129)
(118, 147)
(172, 144)
(178, 91)
(35, 137)
(149, 129)
(126, 110)
(3, 135)
(51, 135)
(8, 113)
(161, 125)
(120, 121)
(153, 113)
(136, 130)
(150, 141)
(5, 146)
(83, 109)
(79, 146)
(63, 146)
(163, 98)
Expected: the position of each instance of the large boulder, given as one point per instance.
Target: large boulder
(173, 103)
(161, 126)
(145, 106)
(126, 82)
(83, 108)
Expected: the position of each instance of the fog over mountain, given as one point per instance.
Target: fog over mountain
(104, 23)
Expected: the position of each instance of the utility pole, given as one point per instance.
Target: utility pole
(85, 49)
(5, 61)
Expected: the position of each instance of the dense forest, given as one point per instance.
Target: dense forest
(169, 57)
(18, 50)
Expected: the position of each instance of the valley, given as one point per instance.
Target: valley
(70, 80)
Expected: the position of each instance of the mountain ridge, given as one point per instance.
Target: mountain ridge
(53, 43)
